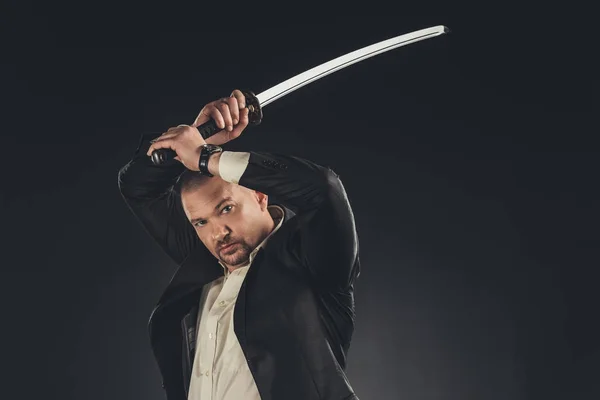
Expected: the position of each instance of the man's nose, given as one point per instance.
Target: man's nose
(219, 232)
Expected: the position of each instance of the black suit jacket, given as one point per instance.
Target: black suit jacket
(294, 316)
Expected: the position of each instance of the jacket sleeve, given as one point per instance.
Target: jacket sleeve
(148, 192)
(325, 242)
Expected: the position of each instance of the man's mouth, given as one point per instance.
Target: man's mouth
(226, 247)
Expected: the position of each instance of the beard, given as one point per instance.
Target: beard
(235, 255)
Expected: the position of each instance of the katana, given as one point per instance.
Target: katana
(255, 103)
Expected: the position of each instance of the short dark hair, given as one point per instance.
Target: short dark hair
(189, 180)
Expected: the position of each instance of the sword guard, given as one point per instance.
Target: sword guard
(255, 115)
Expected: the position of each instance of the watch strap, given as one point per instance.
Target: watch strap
(205, 152)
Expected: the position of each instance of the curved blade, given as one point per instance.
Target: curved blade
(318, 72)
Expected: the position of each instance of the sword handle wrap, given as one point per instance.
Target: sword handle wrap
(209, 128)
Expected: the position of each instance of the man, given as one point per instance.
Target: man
(262, 304)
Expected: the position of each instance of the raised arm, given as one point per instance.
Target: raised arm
(147, 191)
(325, 242)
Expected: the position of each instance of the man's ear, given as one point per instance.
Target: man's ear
(263, 199)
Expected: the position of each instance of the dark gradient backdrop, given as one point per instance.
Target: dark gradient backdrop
(470, 161)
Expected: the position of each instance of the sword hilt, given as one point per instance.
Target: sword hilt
(209, 128)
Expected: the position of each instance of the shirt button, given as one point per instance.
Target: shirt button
(222, 303)
(210, 335)
(206, 373)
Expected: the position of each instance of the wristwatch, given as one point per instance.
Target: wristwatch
(205, 152)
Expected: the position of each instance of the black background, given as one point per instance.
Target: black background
(470, 160)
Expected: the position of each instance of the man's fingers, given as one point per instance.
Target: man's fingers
(223, 107)
(237, 131)
(239, 96)
(233, 109)
(215, 114)
(201, 118)
(166, 135)
(226, 112)
(226, 136)
(205, 115)
(161, 144)
(244, 117)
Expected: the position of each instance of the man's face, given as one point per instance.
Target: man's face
(229, 219)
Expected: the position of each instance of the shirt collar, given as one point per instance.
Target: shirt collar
(277, 214)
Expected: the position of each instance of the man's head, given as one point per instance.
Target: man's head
(225, 214)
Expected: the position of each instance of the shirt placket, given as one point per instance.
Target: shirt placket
(208, 356)
(217, 312)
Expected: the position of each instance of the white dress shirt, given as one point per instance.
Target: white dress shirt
(220, 370)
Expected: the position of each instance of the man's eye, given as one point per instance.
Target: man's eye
(225, 209)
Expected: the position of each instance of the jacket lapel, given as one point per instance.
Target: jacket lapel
(239, 315)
